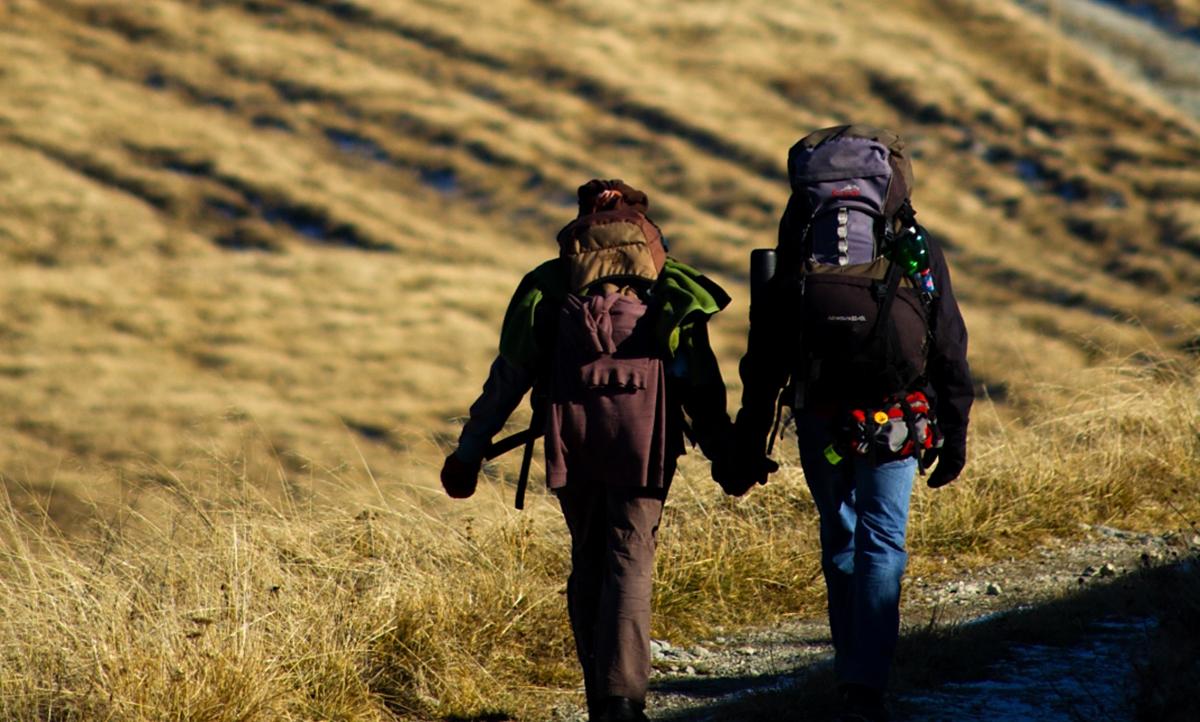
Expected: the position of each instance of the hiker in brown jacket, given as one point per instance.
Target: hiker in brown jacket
(612, 338)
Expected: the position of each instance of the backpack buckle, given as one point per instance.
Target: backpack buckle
(879, 291)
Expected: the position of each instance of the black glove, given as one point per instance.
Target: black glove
(459, 477)
(724, 472)
(737, 476)
(951, 463)
(737, 487)
(761, 468)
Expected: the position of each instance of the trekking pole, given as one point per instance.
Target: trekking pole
(523, 479)
(527, 437)
(510, 442)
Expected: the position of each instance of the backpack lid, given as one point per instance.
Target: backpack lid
(843, 159)
(617, 245)
(853, 151)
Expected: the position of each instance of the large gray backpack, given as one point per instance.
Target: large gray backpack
(862, 326)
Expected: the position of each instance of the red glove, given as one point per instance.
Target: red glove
(458, 477)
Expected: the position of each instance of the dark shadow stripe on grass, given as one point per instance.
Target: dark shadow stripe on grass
(590, 89)
(106, 174)
(1038, 289)
(427, 37)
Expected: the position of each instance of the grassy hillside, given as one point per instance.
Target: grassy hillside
(256, 254)
(300, 221)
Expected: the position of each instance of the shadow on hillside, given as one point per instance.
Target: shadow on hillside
(986, 655)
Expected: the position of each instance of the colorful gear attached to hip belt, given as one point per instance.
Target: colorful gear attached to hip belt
(902, 427)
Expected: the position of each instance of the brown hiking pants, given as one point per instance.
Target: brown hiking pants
(613, 532)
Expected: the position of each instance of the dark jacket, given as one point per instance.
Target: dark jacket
(772, 354)
(683, 301)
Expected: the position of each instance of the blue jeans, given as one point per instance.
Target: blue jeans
(864, 515)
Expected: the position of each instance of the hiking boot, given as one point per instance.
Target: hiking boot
(623, 709)
(860, 703)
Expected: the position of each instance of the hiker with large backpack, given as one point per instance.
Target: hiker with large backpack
(612, 337)
(854, 326)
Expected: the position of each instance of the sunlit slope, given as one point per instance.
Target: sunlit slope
(290, 228)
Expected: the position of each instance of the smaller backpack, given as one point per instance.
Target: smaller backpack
(863, 327)
(607, 412)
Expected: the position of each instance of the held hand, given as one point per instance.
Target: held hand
(459, 477)
(738, 476)
(762, 468)
(724, 472)
(735, 486)
(950, 465)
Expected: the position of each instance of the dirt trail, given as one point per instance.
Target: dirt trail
(1046, 683)
(702, 681)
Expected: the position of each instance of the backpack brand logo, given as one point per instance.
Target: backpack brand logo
(859, 318)
(850, 190)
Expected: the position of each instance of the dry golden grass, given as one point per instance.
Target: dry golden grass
(234, 606)
(399, 173)
(256, 254)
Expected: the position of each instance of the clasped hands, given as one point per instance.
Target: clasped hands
(738, 471)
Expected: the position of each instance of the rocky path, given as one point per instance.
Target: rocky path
(1087, 680)
(701, 679)
(699, 682)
